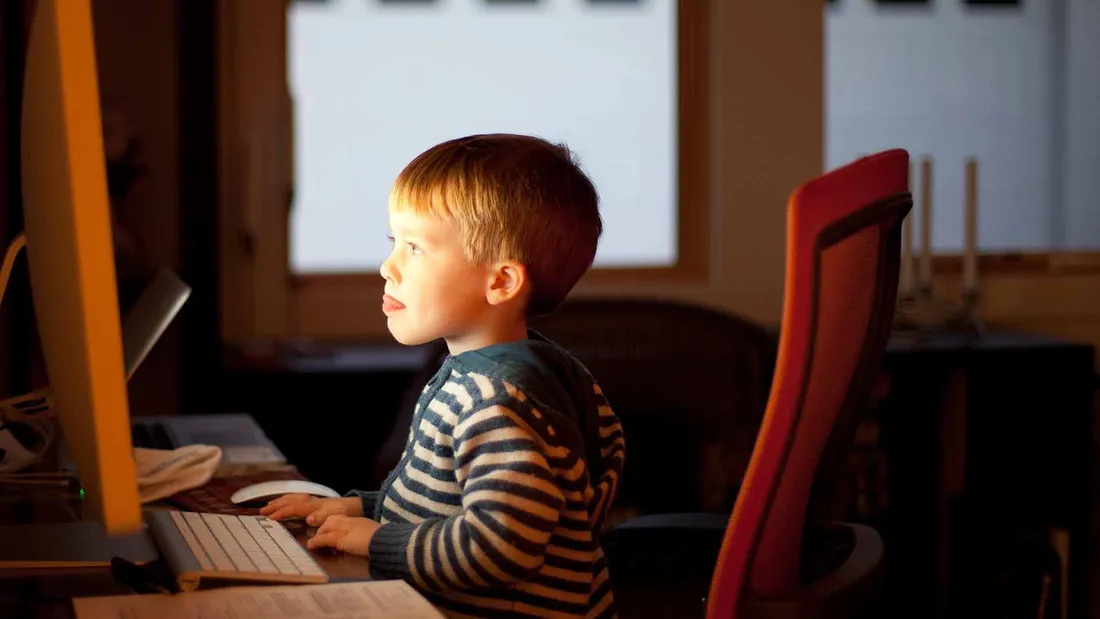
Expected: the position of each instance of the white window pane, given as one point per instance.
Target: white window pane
(1082, 159)
(377, 83)
(945, 81)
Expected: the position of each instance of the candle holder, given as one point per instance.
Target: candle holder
(920, 313)
(920, 318)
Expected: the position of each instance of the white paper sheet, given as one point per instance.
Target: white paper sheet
(391, 599)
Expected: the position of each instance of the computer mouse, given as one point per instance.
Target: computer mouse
(268, 490)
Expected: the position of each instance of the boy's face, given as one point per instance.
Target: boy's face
(432, 291)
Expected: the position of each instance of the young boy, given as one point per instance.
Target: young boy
(514, 455)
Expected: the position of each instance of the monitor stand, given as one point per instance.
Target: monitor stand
(47, 533)
(69, 545)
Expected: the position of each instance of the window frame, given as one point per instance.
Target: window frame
(263, 299)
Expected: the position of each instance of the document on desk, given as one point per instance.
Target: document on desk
(391, 599)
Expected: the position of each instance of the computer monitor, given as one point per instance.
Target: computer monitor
(71, 259)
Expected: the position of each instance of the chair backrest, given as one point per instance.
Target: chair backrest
(689, 383)
(843, 255)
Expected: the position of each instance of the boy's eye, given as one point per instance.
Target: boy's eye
(390, 237)
(414, 248)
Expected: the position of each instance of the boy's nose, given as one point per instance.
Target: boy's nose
(388, 272)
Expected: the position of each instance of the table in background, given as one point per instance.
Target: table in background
(985, 439)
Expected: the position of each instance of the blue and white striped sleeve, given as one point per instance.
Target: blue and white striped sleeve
(511, 504)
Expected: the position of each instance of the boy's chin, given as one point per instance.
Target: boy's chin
(407, 337)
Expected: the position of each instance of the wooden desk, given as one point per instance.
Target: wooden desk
(48, 593)
(984, 439)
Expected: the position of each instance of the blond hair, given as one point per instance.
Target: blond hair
(514, 197)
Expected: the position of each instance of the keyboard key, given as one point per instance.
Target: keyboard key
(192, 541)
(209, 543)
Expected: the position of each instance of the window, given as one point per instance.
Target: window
(1005, 85)
(375, 83)
(305, 178)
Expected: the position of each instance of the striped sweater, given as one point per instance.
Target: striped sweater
(495, 507)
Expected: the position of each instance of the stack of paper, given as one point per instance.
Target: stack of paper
(391, 599)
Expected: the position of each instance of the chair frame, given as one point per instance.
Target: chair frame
(810, 234)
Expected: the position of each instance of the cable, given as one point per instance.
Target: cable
(28, 409)
(45, 433)
(17, 244)
(31, 406)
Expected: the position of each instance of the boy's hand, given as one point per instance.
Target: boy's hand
(350, 535)
(314, 510)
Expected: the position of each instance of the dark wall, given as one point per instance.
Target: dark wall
(200, 356)
(156, 63)
(16, 308)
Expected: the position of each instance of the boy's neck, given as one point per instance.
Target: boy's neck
(489, 335)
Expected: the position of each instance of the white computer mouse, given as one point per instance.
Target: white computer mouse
(267, 490)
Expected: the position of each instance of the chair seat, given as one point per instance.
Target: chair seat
(842, 574)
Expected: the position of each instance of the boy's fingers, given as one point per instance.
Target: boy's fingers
(289, 511)
(322, 515)
(326, 540)
(273, 505)
(334, 522)
(280, 502)
(278, 514)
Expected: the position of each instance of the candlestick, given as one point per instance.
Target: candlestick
(907, 277)
(970, 230)
(925, 280)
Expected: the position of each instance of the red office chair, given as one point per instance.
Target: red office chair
(843, 249)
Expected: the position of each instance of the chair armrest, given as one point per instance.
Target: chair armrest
(844, 591)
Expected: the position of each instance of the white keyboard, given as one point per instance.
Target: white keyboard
(219, 546)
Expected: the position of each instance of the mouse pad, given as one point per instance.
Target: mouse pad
(214, 497)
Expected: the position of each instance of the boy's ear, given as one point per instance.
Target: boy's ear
(507, 281)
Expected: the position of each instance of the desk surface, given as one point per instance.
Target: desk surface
(991, 341)
(48, 593)
(366, 357)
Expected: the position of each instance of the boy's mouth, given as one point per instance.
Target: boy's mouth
(390, 304)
